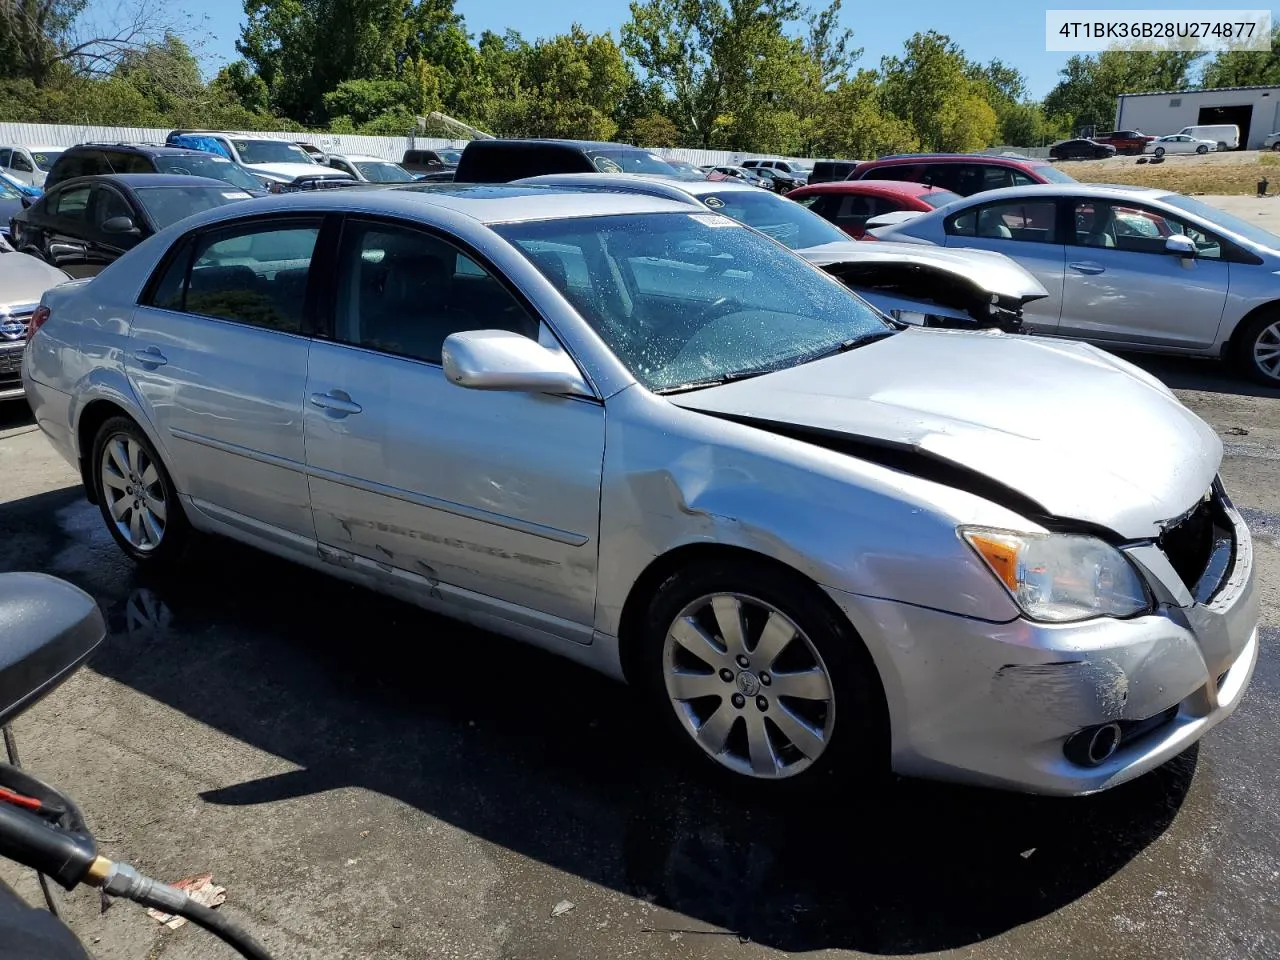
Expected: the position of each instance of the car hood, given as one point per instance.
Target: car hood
(1058, 431)
(24, 279)
(993, 271)
(291, 171)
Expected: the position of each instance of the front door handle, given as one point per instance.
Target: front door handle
(337, 402)
(151, 357)
(1087, 266)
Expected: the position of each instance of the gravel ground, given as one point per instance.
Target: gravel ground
(1235, 172)
(370, 781)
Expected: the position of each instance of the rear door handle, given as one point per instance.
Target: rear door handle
(151, 356)
(1087, 266)
(337, 402)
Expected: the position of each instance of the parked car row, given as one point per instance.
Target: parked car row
(613, 415)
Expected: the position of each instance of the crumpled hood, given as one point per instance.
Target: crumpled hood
(1084, 435)
(993, 271)
(23, 278)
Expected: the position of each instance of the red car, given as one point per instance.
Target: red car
(850, 203)
(1125, 141)
(961, 173)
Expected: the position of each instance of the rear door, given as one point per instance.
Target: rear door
(1027, 231)
(219, 359)
(101, 246)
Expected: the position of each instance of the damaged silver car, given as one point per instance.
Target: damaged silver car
(645, 437)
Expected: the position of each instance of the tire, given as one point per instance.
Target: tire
(1276, 146)
(1159, 151)
(1202, 149)
(847, 715)
(1222, 145)
(152, 529)
(1257, 348)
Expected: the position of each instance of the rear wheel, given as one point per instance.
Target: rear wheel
(1276, 145)
(136, 495)
(1204, 148)
(1222, 144)
(1257, 351)
(756, 678)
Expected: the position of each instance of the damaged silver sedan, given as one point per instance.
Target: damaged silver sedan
(821, 542)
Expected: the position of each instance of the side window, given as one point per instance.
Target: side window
(403, 291)
(1017, 220)
(107, 204)
(255, 275)
(993, 177)
(20, 162)
(1137, 229)
(855, 210)
(71, 204)
(911, 172)
(132, 163)
(5, 156)
(1020, 179)
(168, 288)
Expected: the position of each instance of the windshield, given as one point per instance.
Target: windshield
(45, 158)
(1053, 174)
(270, 151)
(785, 220)
(682, 298)
(939, 198)
(383, 171)
(1250, 231)
(8, 192)
(168, 205)
(629, 161)
(450, 156)
(206, 165)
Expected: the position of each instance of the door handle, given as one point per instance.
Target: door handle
(1087, 266)
(151, 356)
(336, 402)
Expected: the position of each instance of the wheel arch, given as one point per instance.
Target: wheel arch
(90, 420)
(1231, 345)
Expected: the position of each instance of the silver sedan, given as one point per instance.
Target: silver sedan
(1128, 267)
(652, 440)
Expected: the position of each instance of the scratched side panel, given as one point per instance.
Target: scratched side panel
(497, 493)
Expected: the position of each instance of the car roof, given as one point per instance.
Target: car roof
(159, 150)
(1113, 191)
(654, 185)
(906, 158)
(902, 187)
(483, 202)
(556, 141)
(360, 156)
(133, 181)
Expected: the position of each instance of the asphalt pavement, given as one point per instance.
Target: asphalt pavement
(370, 781)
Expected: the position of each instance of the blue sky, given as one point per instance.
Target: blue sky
(1012, 30)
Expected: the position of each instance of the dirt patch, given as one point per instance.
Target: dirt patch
(1234, 173)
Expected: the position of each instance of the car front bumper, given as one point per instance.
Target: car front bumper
(994, 703)
(11, 369)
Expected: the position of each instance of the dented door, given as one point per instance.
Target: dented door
(496, 493)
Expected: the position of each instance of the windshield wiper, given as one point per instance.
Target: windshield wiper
(714, 381)
(852, 344)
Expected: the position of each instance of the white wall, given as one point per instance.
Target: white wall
(389, 148)
(1155, 114)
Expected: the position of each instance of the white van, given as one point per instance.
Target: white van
(1227, 135)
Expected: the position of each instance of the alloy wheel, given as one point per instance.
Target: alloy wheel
(134, 493)
(749, 686)
(1266, 350)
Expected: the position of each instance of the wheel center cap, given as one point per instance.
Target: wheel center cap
(748, 683)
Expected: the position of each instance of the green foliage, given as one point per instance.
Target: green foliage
(654, 130)
(1087, 92)
(1244, 68)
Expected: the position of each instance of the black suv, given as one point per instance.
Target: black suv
(89, 159)
(501, 160)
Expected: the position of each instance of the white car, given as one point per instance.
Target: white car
(1272, 141)
(28, 164)
(1179, 143)
(368, 169)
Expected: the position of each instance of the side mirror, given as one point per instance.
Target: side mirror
(47, 629)
(501, 360)
(1180, 246)
(119, 225)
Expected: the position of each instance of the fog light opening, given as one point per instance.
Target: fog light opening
(1093, 745)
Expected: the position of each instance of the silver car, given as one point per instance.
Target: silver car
(649, 439)
(1128, 267)
(23, 280)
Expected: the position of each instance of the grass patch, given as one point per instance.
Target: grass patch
(1189, 177)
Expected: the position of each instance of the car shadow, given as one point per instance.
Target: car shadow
(15, 414)
(1198, 373)
(547, 759)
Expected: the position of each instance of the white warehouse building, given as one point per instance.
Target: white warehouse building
(1255, 110)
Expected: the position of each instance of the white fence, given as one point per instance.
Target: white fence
(389, 148)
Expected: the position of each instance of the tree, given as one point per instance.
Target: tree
(237, 85)
(654, 130)
(167, 75)
(1244, 68)
(856, 125)
(931, 86)
(1087, 92)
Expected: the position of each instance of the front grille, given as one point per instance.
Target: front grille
(1200, 546)
(14, 322)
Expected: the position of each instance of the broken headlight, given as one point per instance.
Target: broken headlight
(1060, 577)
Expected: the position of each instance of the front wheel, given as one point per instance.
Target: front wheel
(1159, 151)
(1203, 148)
(756, 677)
(136, 495)
(1276, 145)
(1258, 349)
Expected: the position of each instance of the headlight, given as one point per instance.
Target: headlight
(1058, 577)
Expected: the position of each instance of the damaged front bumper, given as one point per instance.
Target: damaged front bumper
(995, 703)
